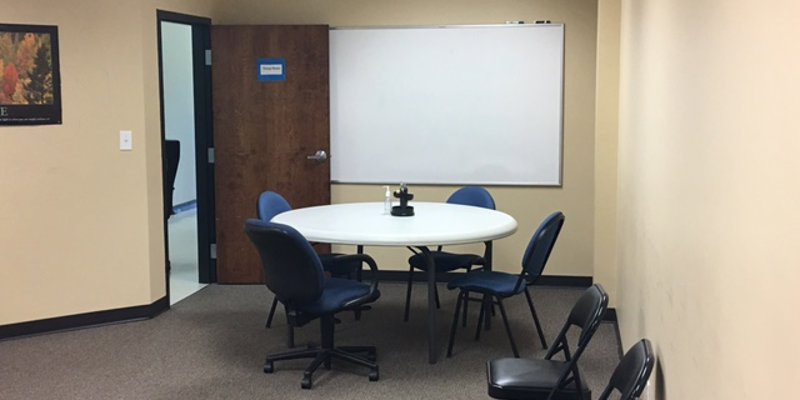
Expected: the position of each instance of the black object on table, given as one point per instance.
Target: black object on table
(403, 210)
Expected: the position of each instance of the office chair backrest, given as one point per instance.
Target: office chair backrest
(541, 245)
(632, 372)
(586, 314)
(271, 204)
(472, 196)
(292, 269)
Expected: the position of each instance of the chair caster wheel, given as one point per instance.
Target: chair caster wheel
(374, 375)
(306, 383)
(269, 367)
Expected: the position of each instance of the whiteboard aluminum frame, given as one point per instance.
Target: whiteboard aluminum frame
(563, 26)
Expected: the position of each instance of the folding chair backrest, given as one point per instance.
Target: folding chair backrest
(541, 245)
(472, 196)
(631, 375)
(271, 204)
(586, 314)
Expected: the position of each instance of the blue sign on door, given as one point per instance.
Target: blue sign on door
(272, 69)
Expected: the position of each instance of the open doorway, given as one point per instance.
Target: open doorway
(184, 72)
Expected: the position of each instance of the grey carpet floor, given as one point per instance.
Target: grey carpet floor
(212, 346)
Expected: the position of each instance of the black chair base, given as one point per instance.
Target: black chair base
(325, 354)
(324, 357)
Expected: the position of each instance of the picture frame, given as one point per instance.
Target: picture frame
(30, 78)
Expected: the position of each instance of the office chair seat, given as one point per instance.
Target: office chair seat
(336, 293)
(445, 261)
(294, 273)
(517, 378)
(271, 204)
(495, 283)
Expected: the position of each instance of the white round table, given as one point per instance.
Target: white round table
(433, 224)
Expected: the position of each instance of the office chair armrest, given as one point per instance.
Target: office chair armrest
(373, 266)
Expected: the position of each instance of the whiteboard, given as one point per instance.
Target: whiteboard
(447, 105)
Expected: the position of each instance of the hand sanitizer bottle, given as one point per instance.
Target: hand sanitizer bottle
(387, 201)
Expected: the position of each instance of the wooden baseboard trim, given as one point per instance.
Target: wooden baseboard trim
(79, 321)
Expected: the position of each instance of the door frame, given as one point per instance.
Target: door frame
(204, 140)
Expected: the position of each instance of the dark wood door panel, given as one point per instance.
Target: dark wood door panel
(265, 130)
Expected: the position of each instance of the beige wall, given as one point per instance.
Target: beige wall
(709, 194)
(574, 252)
(74, 209)
(80, 221)
(605, 161)
(105, 239)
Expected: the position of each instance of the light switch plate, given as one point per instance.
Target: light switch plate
(125, 140)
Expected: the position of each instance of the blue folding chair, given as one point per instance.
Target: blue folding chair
(497, 286)
(445, 261)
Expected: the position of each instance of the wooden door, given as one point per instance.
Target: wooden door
(265, 130)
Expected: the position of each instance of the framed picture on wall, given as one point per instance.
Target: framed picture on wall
(30, 83)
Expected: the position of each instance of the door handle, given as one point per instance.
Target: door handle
(320, 156)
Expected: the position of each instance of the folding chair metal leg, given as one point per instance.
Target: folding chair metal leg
(436, 291)
(466, 304)
(579, 384)
(408, 292)
(272, 312)
(480, 321)
(535, 319)
(461, 295)
(508, 328)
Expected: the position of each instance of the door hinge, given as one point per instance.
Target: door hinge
(208, 57)
(210, 155)
(213, 250)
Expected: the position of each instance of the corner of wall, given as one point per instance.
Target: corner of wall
(606, 132)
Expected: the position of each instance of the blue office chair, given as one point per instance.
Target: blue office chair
(549, 379)
(445, 261)
(271, 204)
(293, 271)
(496, 286)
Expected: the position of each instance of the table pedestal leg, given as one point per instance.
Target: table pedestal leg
(432, 347)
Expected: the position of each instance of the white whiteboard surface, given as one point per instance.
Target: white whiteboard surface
(447, 105)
